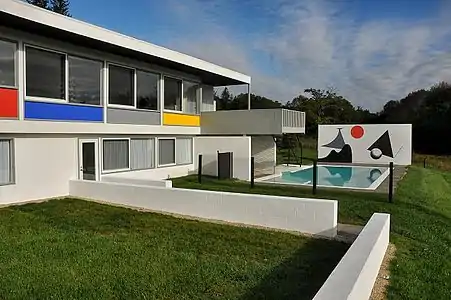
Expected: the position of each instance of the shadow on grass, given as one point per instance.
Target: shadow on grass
(301, 275)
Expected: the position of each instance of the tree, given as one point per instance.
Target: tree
(60, 6)
(40, 3)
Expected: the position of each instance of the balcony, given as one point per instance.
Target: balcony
(273, 121)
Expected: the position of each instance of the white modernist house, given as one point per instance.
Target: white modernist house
(81, 102)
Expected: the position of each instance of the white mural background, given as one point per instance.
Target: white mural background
(369, 143)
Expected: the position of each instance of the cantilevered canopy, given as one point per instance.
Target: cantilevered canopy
(19, 15)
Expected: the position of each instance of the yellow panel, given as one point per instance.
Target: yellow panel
(180, 119)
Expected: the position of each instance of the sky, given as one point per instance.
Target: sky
(369, 51)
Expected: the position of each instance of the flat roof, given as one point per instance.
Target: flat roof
(23, 16)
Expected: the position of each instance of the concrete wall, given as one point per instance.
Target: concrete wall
(361, 138)
(209, 147)
(312, 216)
(43, 168)
(137, 181)
(153, 174)
(356, 273)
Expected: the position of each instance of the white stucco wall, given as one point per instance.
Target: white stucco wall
(43, 167)
(209, 147)
(314, 216)
(400, 138)
(355, 274)
(154, 174)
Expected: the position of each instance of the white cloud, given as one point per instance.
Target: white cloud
(316, 44)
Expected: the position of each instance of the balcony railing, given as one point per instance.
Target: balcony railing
(273, 121)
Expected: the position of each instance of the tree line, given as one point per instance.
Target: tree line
(428, 110)
(58, 6)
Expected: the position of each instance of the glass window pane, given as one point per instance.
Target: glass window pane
(115, 155)
(190, 95)
(7, 63)
(121, 86)
(172, 94)
(85, 80)
(166, 152)
(5, 162)
(147, 90)
(46, 73)
(142, 154)
(184, 149)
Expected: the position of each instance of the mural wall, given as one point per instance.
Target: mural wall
(365, 144)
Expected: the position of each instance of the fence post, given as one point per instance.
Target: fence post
(252, 171)
(390, 183)
(289, 156)
(315, 175)
(302, 154)
(424, 163)
(199, 169)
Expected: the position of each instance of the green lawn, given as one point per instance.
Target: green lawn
(73, 249)
(420, 228)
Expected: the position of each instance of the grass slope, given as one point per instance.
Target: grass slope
(421, 225)
(72, 249)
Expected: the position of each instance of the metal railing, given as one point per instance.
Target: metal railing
(293, 118)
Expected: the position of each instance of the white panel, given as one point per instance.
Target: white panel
(361, 137)
(209, 147)
(43, 168)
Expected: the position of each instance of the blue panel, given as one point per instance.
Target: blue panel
(62, 112)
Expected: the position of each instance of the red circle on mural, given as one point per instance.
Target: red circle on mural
(357, 131)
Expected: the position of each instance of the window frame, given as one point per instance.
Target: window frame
(158, 153)
(182, 79)
(16, 64)
(12, 165)
(135, 88)
(66, 76)
(102, 152)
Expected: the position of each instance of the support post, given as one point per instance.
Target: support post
(199, 169)
(424, 163)
(252, 172)
(315, 176)
(390, 183)
(249, 96)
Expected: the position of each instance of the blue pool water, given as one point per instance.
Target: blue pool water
(335, 176)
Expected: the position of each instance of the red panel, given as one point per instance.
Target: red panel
(8, 103)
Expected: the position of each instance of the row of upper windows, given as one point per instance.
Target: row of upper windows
(73, 79)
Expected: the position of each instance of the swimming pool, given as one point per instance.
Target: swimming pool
(353, 177)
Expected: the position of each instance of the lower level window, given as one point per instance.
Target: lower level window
(184, 151)
(166, 152)
(142, 154)
(115, 155)
(6, 166)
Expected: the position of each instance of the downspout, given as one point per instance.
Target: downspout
(249, 96)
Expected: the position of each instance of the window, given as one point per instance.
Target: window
(147, 90)
(172, 94)
(85, 80)
(190, 97)
(7, 63)
(142, 154)
(184, 150)
(115, 155)
(121, 86)
(46, 73)
(166, 152)
(6, 165)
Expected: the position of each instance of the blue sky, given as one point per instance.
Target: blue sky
(370, 51)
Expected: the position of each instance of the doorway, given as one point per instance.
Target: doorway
(88, 159)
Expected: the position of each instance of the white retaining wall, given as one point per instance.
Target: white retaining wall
(209, 147)
(312, 216)
(356, 273)
(138, 181)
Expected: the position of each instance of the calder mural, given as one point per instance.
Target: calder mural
(349, 141)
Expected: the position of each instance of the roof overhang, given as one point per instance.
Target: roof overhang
(26, 17)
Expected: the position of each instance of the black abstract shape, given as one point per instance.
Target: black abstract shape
(383, 143)
(374, 174)
(345, 173)
(342, 156)
(338, 142)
